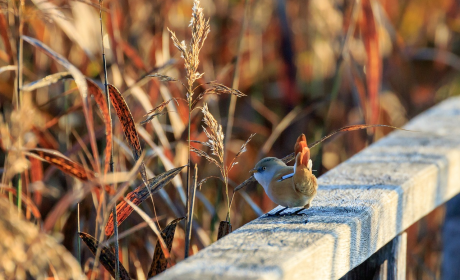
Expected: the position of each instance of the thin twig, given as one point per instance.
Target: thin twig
(78, 238)
(236, 76)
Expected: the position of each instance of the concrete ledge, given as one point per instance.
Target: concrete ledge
(361, 205)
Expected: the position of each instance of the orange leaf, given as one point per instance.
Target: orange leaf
(95, 91)
(128, 125)
(374, 63)
(65, 164)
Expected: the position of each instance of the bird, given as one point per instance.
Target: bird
(288, 186)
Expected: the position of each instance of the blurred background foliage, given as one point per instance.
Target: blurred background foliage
(307, 67)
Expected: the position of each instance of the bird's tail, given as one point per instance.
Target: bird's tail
(301, 147)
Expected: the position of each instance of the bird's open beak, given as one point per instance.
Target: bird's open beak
(252, 171)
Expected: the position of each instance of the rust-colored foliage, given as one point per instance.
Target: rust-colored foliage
(224, 229)
(374, 63)
(95, 91)
(107, 256)
(127, 122)
(65, 164)
(36, 175)
(139, 195)
(159, 262)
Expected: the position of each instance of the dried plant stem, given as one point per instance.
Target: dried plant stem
(18, 90)
(236, 77)
(78, 239)
(19, 54)
(114, 208)
(188, 230)
(187, 220)
(19, 191)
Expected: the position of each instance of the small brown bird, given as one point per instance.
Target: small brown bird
(288, 186)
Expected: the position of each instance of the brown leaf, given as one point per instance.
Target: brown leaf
(139, 195)
(99, 97)
(107, 256)
(96, 92)
(80, 80)
(224, 229)
(374, 63)
(128, 125)
(36, 175)
(65, 164)
(159, 262)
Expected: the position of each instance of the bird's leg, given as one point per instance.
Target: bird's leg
(277, 213)
(300, 210)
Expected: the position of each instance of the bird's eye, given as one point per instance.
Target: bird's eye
(263, 168)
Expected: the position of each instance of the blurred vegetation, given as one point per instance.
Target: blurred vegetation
(306, 67)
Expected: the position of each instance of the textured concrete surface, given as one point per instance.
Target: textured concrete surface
(361, 205)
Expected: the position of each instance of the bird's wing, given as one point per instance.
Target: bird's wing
(304, 181)
(287, 171)
(286, 177)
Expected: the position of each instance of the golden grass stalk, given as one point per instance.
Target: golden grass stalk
(215, 135)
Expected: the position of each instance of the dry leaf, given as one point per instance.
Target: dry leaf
(107, 256)
(128, 125)
(139, 195)
(224, 229)
(100, 99)
(65, 164)
(46, 81)
(159, 262)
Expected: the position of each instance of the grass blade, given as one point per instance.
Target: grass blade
(8, 68)
(128, 125)
(374, 63)
(82, 85)
(107, 257)
(188, 228)
(159, 262)
(153, 227)
(46, 81)
(66, 26)
(139, 195)
(65, 164)
(94, 90)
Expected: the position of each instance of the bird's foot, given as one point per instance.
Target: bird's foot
(277, 213)
(298, 213)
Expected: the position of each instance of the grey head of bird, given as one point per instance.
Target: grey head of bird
(265, 170)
